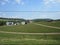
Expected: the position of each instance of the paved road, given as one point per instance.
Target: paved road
(28, 33)
(47, 26)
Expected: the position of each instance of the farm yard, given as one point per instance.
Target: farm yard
(30, 34)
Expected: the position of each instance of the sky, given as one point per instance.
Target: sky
(30, 9)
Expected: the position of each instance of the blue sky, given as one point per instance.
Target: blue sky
(42, 8)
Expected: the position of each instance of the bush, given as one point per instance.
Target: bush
(2, 23)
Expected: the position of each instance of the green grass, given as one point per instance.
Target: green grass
(54, 23)
(22, 36)
(18, 39)
(31, 28)
(32, 42)
(25, 39)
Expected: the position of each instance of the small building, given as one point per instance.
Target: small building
(16, 23)
(26, 22)
(23, 23)
(9, 23)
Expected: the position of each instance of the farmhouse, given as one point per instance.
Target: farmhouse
(9, 23)
(26, 22)
(23, 23)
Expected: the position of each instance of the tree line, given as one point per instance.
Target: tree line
(4, 20)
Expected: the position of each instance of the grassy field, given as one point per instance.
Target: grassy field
(25, 39)
(31, 28)
(17, 39)
(54, 23)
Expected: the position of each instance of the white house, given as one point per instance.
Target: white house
(9, 23)
(26, 22)
(16, 23)
(23, 23)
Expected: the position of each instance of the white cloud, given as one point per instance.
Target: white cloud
(57, 1)
(3, 2)
(48, 2)
(51, 2)
(18, 1)
(2, 14)
(6, 0)
(22, 3)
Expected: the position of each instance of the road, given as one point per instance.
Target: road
(29, 33)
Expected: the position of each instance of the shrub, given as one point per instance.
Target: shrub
(2, 23)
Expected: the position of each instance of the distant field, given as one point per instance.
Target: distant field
(31, 28)
(54, 23)
(16, 39)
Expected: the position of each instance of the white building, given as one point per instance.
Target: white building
(9, 23)
(16, 23)
(23, 23)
